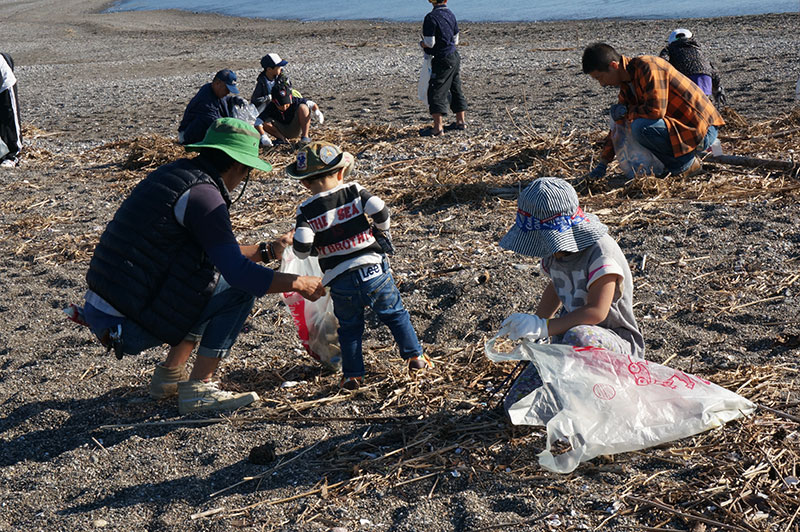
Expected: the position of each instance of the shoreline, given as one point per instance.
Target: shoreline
(460, 19)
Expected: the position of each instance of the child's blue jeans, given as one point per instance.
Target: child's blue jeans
(370, 286)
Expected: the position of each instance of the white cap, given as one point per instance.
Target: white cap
(680, 33)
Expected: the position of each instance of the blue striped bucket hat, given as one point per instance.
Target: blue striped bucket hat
(549, 219)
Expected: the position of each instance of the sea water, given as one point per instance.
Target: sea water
(470, 10)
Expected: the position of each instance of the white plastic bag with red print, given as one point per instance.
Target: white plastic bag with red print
(315, 321)
(603, 403)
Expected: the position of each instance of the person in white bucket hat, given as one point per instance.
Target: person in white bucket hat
(590, 281)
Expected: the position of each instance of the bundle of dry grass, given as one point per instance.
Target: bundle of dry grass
(410, 177)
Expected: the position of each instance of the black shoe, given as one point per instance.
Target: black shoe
(430, 132)
(350, 383)
(278, 142)
(455, 126)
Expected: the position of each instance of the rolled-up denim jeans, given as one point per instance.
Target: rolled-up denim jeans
(654, 135)
(217, 327)
(350, 295)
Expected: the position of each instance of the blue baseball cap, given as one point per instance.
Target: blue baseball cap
(228, 77)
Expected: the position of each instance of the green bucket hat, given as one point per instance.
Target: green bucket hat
(320, 158)
(235, 137)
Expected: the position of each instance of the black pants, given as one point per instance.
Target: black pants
(10, 126)
(446, 80)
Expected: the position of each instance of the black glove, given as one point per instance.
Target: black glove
(598, 171)
(384, 239)
(618, 111)
(720, 98)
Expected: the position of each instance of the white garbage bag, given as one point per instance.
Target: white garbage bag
(316, 323)
(603, 403)
(424, 79)
(633, 159)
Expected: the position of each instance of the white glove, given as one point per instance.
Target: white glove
(266, 141)
(519, 326)
(317, 113)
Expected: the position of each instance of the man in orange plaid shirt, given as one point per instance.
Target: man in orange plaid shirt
(669, 115)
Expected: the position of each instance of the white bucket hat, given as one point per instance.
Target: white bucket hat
(680, 33)
(549, 220)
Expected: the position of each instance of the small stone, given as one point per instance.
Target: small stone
(100, 523)
(262, 454)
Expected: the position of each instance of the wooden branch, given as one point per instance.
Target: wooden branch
(752, 162)
(780, 413)
(685, 515)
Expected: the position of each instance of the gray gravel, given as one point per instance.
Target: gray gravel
(87, 79)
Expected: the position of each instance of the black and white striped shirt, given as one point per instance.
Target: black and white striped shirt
(334, 223)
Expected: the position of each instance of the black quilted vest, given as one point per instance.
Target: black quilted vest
(146, 265)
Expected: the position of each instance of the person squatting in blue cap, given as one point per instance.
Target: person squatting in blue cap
(210, 102)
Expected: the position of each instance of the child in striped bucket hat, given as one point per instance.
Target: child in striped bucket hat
(590, 284)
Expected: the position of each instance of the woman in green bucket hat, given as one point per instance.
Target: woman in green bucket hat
(168, 269)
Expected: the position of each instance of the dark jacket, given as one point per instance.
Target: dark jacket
(201, 112)
(261, 94)
(146, 265)
(688, 59)
(441, 24)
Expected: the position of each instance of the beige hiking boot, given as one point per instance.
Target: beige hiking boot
(165, 381)
(200, 396)
(695, 168)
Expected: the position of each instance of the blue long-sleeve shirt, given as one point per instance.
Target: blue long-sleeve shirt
(201, 112)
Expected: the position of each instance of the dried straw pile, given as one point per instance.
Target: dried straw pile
(445, 424)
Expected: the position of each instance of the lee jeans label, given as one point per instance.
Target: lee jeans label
(370, 272)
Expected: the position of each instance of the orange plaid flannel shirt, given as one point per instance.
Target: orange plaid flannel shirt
(657, 90)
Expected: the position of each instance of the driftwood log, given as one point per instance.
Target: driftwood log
(753, 162)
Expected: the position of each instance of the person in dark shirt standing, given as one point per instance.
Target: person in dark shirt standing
(273, 71)
(208, 104)
(439, 39)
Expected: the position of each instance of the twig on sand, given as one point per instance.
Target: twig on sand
(686, 515)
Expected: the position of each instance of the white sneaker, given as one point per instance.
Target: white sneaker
(265, 141)
(8, 163)
(200, 396)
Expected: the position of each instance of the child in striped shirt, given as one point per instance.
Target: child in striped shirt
(333, 223)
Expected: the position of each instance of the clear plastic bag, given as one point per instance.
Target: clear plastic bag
(633, 159)
(424, 79)
(315, 321)
(603, 403)
(242, 109)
